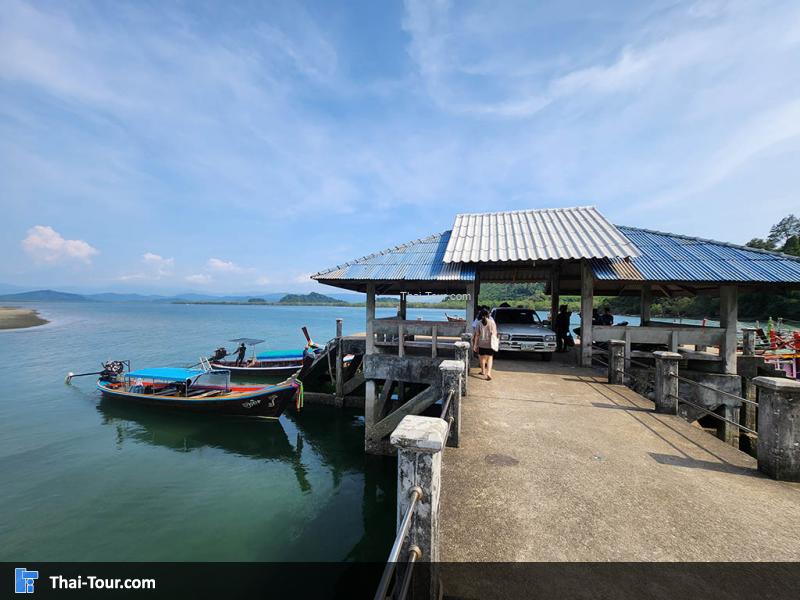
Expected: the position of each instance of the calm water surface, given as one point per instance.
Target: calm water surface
(89, 479)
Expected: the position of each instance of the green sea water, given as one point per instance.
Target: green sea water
(88, 479)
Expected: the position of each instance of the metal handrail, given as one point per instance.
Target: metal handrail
(414, 553)
(446, 404)
(415, 494)
(713, 414)
(713, 389)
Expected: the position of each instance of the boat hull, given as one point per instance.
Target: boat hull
(267, 402)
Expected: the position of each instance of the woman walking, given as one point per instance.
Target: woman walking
(485, 342)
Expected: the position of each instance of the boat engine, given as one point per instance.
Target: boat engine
(219, 354)
(112, 370)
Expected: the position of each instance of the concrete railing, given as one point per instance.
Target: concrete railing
(778, 410)
(394, 331)
(420, 443)
(671, 336)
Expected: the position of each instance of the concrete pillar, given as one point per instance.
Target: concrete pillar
(778, 427)
(666, 385)
(419, 442)
(749, 341)
(616, 362)
(467, 337)
(470, 305)
(462, 354)
(725, 431)
(646, 299)
(587, 304)
(339, 400)
(371, 408)
(451, 373)
(728, 317)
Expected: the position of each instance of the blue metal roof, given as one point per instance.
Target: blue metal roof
(420, 260)
(670, 257)
(166, 374)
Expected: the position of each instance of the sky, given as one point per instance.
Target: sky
(227, 147)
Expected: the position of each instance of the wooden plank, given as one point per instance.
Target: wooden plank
(415, 406)
(353, 384)
(384, 400)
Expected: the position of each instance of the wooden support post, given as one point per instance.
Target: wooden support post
(616, 362)
(666, 383)
(339, 365)
(587, 304)
(420, 442)
(778, 427)
(749, 341)
(646, 302)
(403, 306)
(728, 313)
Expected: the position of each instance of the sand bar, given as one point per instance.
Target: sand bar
(18, 318)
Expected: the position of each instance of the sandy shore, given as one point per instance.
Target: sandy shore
(18, 318)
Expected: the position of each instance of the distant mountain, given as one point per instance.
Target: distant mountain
(43, 296)
(115, 297)
(306, 299)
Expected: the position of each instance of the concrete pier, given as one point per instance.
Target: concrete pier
(555, 464)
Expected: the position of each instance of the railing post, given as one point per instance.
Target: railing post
(419, 442)
(462, 354)
(451, 372)
(778, 427)
(666, 383)
(749, 341)
(616, 362)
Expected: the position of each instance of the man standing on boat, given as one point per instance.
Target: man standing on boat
(241, 351)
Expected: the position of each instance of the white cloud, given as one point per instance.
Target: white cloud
(199, 278)
(263, 281)
(225, 266)
(163, 266)
(45, 244)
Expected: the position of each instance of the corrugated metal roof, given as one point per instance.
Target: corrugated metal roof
(420, 260)
(670, 257)
(524, 235)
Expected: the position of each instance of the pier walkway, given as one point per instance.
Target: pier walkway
(557, 465)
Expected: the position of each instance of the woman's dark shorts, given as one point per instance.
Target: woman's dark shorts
(485, 351)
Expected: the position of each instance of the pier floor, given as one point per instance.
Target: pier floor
(556, 465)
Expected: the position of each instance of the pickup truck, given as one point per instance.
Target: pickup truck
(521, 330)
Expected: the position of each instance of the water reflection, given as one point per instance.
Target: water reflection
(248, 437)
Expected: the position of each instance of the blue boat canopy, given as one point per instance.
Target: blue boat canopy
(279, 354)
(166, 373)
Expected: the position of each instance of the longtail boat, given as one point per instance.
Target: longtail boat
(273, 362)
(206, 390)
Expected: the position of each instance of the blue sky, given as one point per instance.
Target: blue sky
(238, 147)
